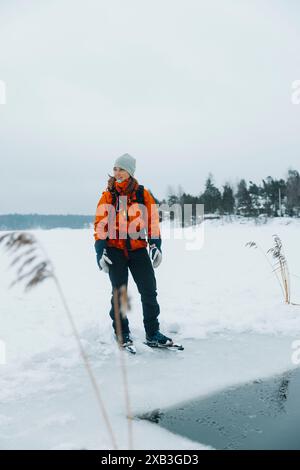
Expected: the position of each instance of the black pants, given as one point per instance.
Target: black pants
(142, 272)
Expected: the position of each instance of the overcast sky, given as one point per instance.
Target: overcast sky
(187, 87)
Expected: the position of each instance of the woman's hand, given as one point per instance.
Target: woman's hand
(155, 256)
(105, 262)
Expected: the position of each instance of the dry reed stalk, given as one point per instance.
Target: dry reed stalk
(120, 309)
(15, 242)
(279, 267)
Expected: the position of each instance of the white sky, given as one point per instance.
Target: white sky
(185, 86)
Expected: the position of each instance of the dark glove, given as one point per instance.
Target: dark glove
(102, 259)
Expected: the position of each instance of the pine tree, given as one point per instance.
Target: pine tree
(243, 200)
(228, 202)
(293, 193)
(272, 191)
(255, 193)
(211, 198)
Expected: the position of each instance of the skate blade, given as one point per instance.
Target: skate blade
(130, 348)
(171, 347)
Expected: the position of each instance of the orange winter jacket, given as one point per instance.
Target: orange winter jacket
(126, 223)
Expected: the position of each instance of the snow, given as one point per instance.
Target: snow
(220, 300)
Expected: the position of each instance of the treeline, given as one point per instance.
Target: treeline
(44, 221)
(271, 198)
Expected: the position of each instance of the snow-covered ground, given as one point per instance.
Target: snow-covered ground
(221, 301)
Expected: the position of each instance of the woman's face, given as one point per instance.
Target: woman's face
(120, 174)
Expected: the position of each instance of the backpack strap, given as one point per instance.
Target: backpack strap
(140, 194)
(113, 197)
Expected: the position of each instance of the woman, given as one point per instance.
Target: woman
(120, 244)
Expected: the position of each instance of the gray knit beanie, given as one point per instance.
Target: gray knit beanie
(126, 162)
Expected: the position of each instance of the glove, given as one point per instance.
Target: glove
(155, 252)
(103, 260)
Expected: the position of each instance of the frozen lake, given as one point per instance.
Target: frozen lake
(222, 302)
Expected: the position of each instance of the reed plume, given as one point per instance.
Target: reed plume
(279, 266)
